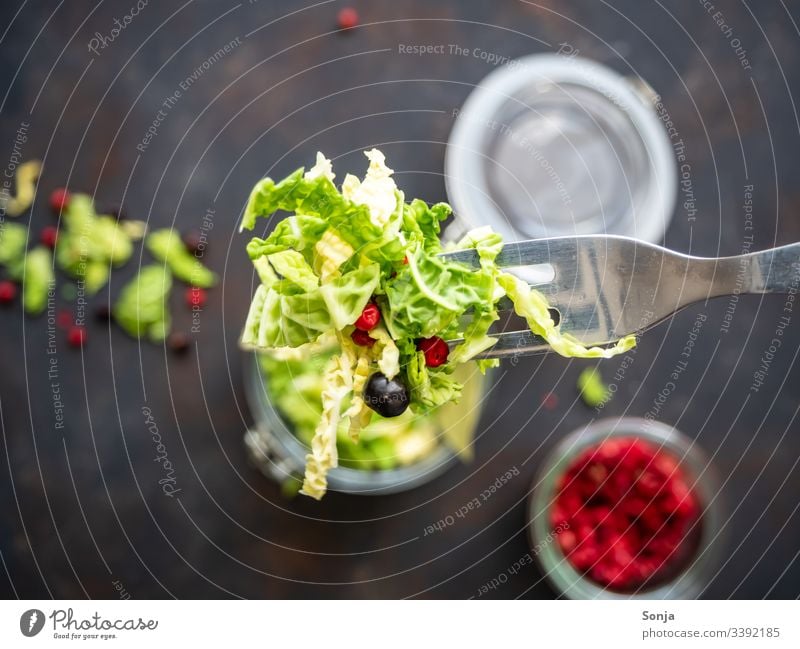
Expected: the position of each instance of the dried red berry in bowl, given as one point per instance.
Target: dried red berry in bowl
(625, 515)
(627, 508)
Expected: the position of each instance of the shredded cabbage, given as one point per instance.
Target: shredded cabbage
(25, 178)
(37, 279)
(89, 245)
(532, 305)
(166, 246)
(141, 308)
(13, 239)
(337, 384)
(337, 251)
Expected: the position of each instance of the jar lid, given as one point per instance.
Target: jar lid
(550, 145)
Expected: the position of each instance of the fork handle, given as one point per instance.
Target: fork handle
(776, 270)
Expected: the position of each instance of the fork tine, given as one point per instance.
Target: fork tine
(589, 286)
(529, 260)
(512, 343)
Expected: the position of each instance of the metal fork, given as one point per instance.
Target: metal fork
(605, 287)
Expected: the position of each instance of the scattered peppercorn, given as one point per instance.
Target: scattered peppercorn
(49, 236)
(196, 296)
(8, 291)
(347, 18)
(76, 336)
(192, 240)
(59, 199)
(179, 342)
(102, 312)
(369, 318)
(362, 338)
(550, 401)
(435, 350)
(64, 319)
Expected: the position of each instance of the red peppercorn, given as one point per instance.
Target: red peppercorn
(64, 319)
(347, 18)
(8, 291)
(362, 338)
(435, 350)
(369, 318)
(59, 199)
(195, 296)
(550, 401)
(77, 336)
(49, 236)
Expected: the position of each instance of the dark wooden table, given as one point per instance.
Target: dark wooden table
(83, 513)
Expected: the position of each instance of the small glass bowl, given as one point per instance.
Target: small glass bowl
(692, 579)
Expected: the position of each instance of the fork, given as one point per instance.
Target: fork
(603, 287)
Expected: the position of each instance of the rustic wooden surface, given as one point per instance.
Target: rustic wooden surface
(82, 508)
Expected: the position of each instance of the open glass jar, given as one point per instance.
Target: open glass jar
(279, 453)
(686, 580)
(554, 145)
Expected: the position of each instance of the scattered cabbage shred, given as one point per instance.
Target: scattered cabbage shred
(339, 249)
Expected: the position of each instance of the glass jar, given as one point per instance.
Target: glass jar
(690, 581)
(553, 145)
(280, 455)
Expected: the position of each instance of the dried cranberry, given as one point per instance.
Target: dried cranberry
(59, 199)
(362, 338)
(49, 236)
(584, 556)
(567, 541)
(664, 465)
(8, 291)
(76, 336)
(369, 318)
(347, 18)
(196, 296)
(648, 484)
(435, 350)
(630, 512)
